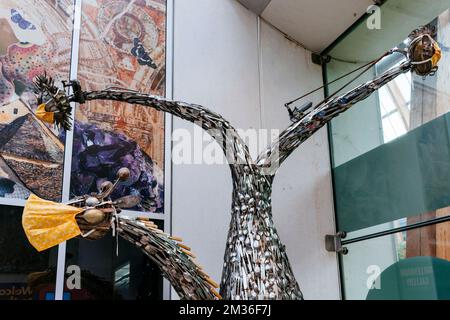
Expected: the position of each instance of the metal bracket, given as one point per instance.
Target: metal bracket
(333, 243)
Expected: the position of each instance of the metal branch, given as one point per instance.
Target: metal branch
(173, 258)
(422, 56)
(300, 131)
(236, 151)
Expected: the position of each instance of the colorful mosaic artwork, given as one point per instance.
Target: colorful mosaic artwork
(122, 45)
(31, 152)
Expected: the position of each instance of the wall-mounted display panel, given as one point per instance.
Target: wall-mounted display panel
(118, 43)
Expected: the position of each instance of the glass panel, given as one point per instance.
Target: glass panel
(408, 265)
(35, 37)
(25, 274)
(391, 152)
(417, 101)
(391, 156)
(403, 178)
(131, 275)
(122, 44)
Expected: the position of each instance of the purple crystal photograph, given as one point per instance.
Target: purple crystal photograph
(99, 154)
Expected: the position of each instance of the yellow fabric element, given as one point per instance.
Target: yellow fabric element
(48, 223)
(44, 115)
(437, 54)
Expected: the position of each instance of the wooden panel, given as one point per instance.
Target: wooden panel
(442, 107)
(443, 235)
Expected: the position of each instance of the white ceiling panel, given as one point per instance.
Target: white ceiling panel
(314, 23)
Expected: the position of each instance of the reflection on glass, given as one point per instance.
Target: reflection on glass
(104, 275)
(395, 104)
(406, 103)
(122, 277)
(407, 265)
(25, 274)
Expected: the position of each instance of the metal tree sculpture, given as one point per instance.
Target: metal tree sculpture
(256, 265)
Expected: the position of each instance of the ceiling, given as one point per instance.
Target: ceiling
(313, 23)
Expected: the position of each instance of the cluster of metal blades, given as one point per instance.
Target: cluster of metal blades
(175, 260)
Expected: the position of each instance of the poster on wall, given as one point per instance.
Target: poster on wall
(31, 152)
(122, 45)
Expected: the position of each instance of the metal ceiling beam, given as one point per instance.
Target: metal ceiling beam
(257, 6)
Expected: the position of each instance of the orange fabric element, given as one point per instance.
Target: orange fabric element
(44, 115)
(437, 54)
(48, 223)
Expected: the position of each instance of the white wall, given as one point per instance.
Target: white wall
(220, 63)
(302, 195)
